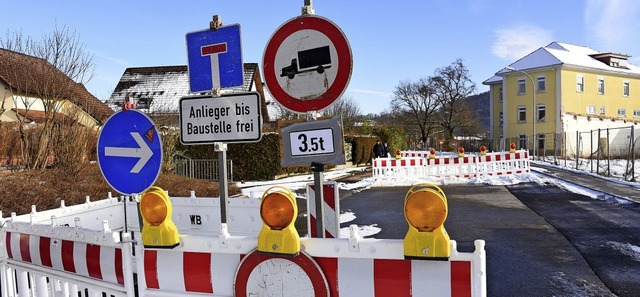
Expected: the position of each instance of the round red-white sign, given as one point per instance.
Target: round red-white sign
(262, 274)
(307, 64)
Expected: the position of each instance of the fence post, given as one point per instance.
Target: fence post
(555, 148)
(633, 154)
(190, 168)
(591, 151)
(564, 144)
(599, 152)
(578, 137)
(608, 155)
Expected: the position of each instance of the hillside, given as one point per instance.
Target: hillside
(480, 106)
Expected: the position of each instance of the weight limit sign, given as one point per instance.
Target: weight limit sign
(315, 141)
(312, 142)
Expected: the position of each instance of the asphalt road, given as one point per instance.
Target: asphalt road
(540, 241)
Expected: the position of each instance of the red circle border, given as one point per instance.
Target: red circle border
(345, 63)
(302, 260)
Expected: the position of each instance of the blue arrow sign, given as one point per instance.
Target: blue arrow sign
(215, 59)
(129, 152)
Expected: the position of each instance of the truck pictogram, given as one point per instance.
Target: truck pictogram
(317, 59)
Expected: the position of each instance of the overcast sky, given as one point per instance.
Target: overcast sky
(390, 41)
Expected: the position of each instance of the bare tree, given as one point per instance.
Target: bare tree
(417, 104)
(451, 85)
(348, 109)
(44, 75)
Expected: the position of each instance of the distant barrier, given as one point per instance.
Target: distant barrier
(399, 167)
(491, 164)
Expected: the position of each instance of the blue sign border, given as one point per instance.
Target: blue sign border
(229, 63)
(116, 170)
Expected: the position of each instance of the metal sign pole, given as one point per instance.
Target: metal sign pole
(221, 148)
(318, 177)
(307, 9)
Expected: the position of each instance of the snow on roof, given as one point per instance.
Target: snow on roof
(492, 80)
(567, 55)
(165, 85)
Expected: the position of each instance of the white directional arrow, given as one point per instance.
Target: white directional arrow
(143, 152)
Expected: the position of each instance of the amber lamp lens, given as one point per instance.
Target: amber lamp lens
(153, 208)
(425, 210)
(277, 211)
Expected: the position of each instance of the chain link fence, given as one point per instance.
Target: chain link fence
(606, 152)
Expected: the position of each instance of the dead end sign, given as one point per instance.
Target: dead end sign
(307, 63)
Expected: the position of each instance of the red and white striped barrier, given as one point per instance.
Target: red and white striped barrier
(382, 167)
(340, 267)
(452, 166)
(90, 260)
(49, 259)
(331, 211)
(52, 260)
(492, 164)
(504, 163)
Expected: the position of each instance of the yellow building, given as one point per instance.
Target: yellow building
(567, 89)
(32, 89)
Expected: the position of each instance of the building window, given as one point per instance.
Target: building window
(500, 96)
(501, 118)
(600, 85)
(625, 88)
(540, 141)
(636, 113)
(591, 109)
(522, 87)
(622, 113)
(522, 113)
(542, 110)
(580, 83)
(542, 85)
(522, 141)
(603, 110)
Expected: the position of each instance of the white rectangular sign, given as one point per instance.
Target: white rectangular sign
(230, 118)
(312, 142)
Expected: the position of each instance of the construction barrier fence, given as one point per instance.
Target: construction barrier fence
(420, 164)
(96, 248)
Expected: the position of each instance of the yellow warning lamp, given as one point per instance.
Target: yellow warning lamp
(461, 152)
(483, 150)
(158, 229)
(425, 208)
(512, 148)
(432, 154)
(278, 211)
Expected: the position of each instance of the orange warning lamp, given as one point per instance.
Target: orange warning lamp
(425, 208)
(158, 229)
(512, 148)
(278, 211)
(483, 150)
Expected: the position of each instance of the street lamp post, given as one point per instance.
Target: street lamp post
(533, 86)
